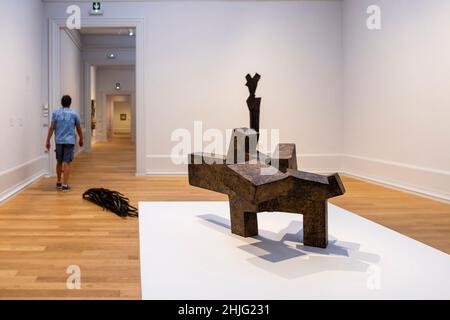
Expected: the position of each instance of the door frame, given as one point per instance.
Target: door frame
(100, 100)
(54, 94)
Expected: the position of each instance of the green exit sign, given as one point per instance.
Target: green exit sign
(96, 6)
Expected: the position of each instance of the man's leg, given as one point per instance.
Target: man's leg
(59, 168)
(66, 166)
(59, 164)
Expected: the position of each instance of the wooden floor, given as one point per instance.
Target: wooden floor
(43, 231)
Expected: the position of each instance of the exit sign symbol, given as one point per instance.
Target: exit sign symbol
(96, 6)
(96, 9)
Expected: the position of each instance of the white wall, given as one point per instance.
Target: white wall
(201, 53)
(107, 77)
(72, 73)
(397, 96)
(198, 53)
(93, 74)
(21, 113)
(71, 70)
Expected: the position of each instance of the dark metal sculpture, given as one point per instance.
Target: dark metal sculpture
(255, 182)
(112, 201)
(253, 103)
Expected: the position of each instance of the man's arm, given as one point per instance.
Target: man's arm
(51, 130)
(80, 134)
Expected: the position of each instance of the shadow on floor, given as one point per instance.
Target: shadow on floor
(284, 254)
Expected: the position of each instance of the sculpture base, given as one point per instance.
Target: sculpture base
(188, 252)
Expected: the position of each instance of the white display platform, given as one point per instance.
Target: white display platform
(188, 252)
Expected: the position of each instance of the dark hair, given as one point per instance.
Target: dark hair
(66, 101)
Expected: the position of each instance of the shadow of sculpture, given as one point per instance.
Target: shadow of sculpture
(284, 254)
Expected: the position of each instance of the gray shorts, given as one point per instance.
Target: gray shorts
(65, 152)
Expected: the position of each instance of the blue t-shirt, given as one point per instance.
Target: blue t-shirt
(65, 120)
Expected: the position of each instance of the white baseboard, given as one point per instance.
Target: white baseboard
(162, 165)
(16, 179)
(426, 181)
(419, 180)
(319, 163)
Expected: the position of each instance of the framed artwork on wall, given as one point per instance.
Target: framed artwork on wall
(93, 121)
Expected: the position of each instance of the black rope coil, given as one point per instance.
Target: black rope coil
(111, 200)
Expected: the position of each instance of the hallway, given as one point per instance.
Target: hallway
(43, 231)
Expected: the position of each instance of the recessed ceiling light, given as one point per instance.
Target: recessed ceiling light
(112, 56)
(131, 32)
(118, 86)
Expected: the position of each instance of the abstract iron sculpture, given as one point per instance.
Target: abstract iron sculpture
(255, 182)
(253, 103)
(112, 201)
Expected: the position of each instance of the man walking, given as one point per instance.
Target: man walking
(64, 123)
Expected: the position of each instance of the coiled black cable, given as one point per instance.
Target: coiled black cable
(111, 200)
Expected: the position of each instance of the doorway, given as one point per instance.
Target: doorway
(111, 84)
(55, 90)
(120, 117)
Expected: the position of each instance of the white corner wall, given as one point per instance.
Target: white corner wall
(21, 114)
(397, 94)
